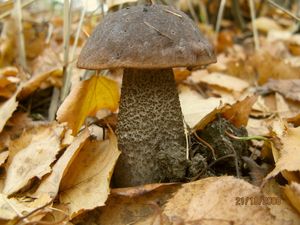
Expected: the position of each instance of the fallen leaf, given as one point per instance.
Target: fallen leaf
(288, 159)
(225, 81)
(11, 208)
(50, 184)
(31, 155)
(7, 109)
(223, 200)
(292, 192)
(238, 113)
(86, 99)
(288, 88)
(90, 173)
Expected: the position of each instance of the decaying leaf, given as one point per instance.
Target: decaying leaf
(7, 109)
(86, 99)
(31, 155)
(86, 184)
(50, 184)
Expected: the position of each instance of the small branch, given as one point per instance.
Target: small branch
(157, 30)
(274, 4)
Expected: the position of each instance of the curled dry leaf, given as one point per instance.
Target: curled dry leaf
(86, 98)
(90, 173)
(237, 114)
(31, 155)
(288, 88)
(50, 184)
(286, 154)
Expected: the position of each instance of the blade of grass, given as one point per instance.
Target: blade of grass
(220, 15)
(66, 44)
(255, 32)
(274, 4)
(20, 36)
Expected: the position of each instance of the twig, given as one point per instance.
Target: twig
(274, 4)
(206, 144)
(174, 13)
(67, 25)
(69, 69)
(53, 104)
(255, 32)
(21, 44)
(220, 15)
(157, 30)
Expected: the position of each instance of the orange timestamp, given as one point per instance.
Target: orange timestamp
(258, 200)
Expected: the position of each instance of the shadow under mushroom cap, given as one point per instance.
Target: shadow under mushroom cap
(151, 36)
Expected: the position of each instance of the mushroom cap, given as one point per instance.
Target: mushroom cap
(146, 36)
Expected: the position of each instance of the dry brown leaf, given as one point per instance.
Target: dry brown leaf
(31, 155)
(238, 113)
(7, 109)
(225, 81)
(11, 208)
(288, 88)
(294, 120)
(222, 200)
(86, 98)
(292, 192)
(50, 184)
(86, 184)
(36, 81)
(288, 158)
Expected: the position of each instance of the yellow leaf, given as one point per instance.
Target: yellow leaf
(86, 184)
(86, 98)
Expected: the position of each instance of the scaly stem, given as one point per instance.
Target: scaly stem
(150, 129)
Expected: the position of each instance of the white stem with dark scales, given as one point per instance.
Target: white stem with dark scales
(150, 129)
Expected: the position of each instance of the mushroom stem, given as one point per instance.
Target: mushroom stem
(150, 129)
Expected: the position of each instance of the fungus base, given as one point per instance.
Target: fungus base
(150, 129)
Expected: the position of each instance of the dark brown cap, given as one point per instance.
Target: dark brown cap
(146, 36)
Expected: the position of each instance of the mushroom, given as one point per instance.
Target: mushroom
(147, 41)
